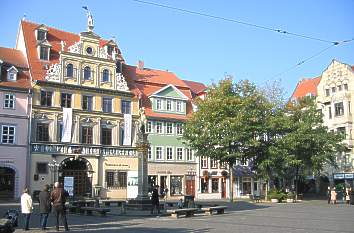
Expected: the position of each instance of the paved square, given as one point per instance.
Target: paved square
(306, 217)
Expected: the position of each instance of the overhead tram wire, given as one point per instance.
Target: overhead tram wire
(237, 21)
(311, 57)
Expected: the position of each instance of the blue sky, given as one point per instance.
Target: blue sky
(200, 48)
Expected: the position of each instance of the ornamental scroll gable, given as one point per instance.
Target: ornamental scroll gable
(103, 53)
(53, 74)
(121, 83)
(76, 48)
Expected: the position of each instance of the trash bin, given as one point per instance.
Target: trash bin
(188, 201)
(352, 198)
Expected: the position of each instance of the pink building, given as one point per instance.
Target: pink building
(15, 100)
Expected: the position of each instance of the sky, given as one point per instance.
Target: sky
(206, 49)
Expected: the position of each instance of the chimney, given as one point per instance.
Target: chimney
(141, 65)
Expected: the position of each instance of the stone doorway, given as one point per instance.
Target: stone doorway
(81, 170)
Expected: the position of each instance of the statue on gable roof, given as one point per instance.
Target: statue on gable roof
(89, 19)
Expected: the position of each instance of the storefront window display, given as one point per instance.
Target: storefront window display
(204, 185)
(215, 185)
(176, 185)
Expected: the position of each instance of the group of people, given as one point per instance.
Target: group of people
(47, 200)
(332, 195)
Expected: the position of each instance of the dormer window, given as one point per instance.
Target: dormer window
(12, 74)
(110, 49)
(41, 35)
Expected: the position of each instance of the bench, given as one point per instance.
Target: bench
(101, 211)
(188, 212)
(257, 198)
(218, 209)
(109, 202)
(74, 209)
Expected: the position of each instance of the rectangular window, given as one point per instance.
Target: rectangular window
(158, 152)
(46, 98)
(179, 153)
(158, 104)
(106, 136)
(189, 154)
(327, 92)
(107, 104)
(179, 106)
(204, 162)
(214, 163)
(42, 168)
(42, 134)
(87, 103)
(339, 109)
(179, 129)
(149, 153)
(43, 53)
(345, 87)
(149, 127)
(333, 89)
(222, 165)
(339, 87)
(116, 179)
(158, 127)
(215, 185)
(60, 131)
(86, 135)
(176, 185)
(125, 106)
(204, 185)
(9, 101)
(169, 105)
(40, 35)
(169, 153)
(330, 112)
(109, 50)
(349, 109)
(8, 134)
(65, 100)
(169, 128)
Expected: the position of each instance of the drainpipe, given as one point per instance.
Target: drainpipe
(29, 134)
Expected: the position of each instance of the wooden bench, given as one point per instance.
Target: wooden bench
(218, 209)
(188, 212)
(101, 211)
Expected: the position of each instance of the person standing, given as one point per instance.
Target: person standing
(26, 208)
(155, 202)
(334, 196)
(44, 206)
(58, 198)
(347, 195)
(329, 194)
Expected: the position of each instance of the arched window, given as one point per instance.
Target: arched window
(87, 73)
(105, 75)
(70, 70)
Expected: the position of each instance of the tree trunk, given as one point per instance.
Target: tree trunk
(231, 186)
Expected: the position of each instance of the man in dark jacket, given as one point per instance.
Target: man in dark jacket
(44, 206)
(58, 198)
(155, 200)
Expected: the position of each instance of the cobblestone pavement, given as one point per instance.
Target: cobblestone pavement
(306, 217)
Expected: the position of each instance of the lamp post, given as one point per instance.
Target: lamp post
(54, 166)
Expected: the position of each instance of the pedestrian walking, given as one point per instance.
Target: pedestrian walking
(58, 198)
(329, 194)
(347, 195)
(26, 208)
(44, 206)
(334, 196)
(155, 202)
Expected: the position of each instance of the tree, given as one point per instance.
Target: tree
(228, 123)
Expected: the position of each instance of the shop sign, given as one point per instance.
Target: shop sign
(349, 176)
(338, 176)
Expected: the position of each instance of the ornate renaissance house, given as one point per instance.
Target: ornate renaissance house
(84, 112)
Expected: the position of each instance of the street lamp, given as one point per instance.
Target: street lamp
(54, 166)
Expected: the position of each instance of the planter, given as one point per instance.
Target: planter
(289, 200)
(274, 200)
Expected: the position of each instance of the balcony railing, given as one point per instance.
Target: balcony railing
(78, 149)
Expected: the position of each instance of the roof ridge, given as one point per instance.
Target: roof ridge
(147, 68)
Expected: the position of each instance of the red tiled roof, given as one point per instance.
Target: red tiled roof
(196, 87)
(305, 87)
(54, 37)
(153, 76)
(23, 81)
(14, 57)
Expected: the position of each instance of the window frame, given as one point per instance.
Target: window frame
(169, 153)
(179, 128)
(69, 67)
(113, 181)
(189, 154)
(9, 99)
(87, 73)
(104, 131)
(44, 99)
(169, 105)
(148, 128)
(204, 162)
(338, 109)
(158, 104)
(89, 104)
(105, 75)
(44, 53)
(169, 128)
(106, 100)
(67, 101)
(44, 137)
(126, 106)
(159, 149)
(8, 135)
(179, 153)
(179, 107)
(158, 123)
(86, 138)
(45, 164)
